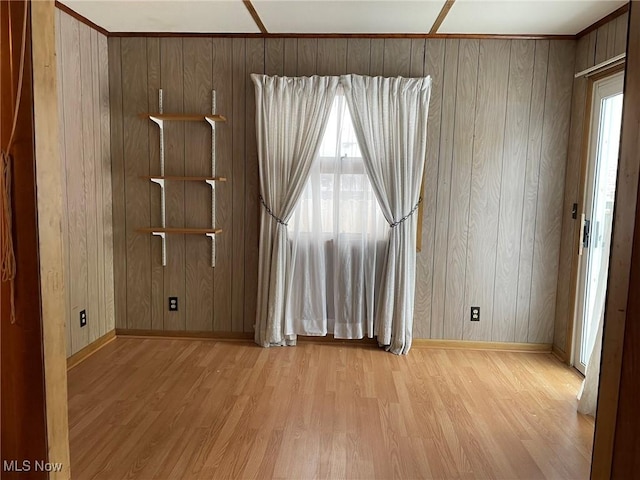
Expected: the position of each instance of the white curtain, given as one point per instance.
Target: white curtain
(338, 237)
(588, 394)
(390, 120)
(291, 116)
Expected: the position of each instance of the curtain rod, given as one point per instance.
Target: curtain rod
(618, 59)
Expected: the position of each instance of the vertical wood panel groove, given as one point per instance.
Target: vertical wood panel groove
(523, 220)
(535, 216)
(505, 332)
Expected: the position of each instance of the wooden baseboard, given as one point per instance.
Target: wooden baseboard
(329, 339)
(472, 345)
(90, 349)
(560, 354)
(173, 334)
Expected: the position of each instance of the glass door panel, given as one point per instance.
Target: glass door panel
(598, 213)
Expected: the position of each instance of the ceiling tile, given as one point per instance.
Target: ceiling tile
(340, 16)
(219, 16)
(548, 17)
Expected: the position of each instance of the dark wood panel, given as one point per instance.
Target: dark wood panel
(290, 57)
(532, 175)
(74, 173)
(89, 238)
(198, 68)
(239, 96)
(254, 64)
(307, 56)
(397, 58)
(550, 191)
(568, 265)
(593, 38)
(172, 81)
(83, 107)
(222, 275)
(358, 55)
(332, 56)
(433, 63)
(440, 231)
(611, 40)
(118, 183)
(376, 58)
(107, 198)
(485, 194)
(418, 60)
(602, 40)
(98, 206)
(466, 94)
(273, 56)
(137, 207)
(158, 303)
(514, 161)
(621, 34)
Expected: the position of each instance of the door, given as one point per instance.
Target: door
(597, 216)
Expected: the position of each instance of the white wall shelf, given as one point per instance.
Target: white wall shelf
(159, 119)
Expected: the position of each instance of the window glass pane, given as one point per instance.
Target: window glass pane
(344, 199)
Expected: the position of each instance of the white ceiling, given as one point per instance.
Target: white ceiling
(562, 17)
(548, 17)
(359, 16)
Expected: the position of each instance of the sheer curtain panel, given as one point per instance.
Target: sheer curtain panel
(338, 239)
(390, 121)
(291, 116)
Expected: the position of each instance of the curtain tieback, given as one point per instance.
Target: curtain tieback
(415, 207)
(266, 207)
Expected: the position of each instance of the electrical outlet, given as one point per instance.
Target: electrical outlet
(173, 304)
(475, 314)
(83, 318)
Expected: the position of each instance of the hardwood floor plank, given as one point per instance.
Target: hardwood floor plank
(188, 409)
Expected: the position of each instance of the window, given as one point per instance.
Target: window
(338, 190)
(338, 239)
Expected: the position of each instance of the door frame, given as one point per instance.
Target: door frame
(582, 191)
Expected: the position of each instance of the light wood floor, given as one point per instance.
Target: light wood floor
(157, 408)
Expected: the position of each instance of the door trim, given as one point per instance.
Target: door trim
(609, 81)
(584, 162)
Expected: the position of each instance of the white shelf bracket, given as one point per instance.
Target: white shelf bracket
(163, 236)
(163, 209)
(212, 183)
(212, 236)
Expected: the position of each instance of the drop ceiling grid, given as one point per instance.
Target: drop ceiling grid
(170, 16)
(348, 17)
(355, 16)
(543, 17)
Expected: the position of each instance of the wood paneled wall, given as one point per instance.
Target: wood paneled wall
(85, 149)
(606, 42)
(498, 135)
